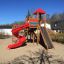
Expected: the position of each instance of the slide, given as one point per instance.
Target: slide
(42, 41)
(47, 42)
(21, 39)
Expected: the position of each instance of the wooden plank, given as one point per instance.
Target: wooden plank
(46, 38)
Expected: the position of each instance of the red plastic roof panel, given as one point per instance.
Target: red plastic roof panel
(39, 10)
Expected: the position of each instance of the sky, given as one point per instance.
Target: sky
(16, 10)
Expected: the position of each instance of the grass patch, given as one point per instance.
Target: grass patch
(58, 37)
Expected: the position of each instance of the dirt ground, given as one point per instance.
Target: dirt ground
(7, 55)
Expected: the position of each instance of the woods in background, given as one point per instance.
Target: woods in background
(57, 22)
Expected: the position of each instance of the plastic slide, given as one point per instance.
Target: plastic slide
(42, 41)
(46, 38)
(21, 39)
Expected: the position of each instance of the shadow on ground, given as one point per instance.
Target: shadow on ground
(40, 57)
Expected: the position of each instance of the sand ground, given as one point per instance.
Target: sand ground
(7, 55)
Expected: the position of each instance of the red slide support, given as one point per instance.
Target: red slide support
(21, 39)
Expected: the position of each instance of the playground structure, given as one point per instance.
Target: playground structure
(32, 27)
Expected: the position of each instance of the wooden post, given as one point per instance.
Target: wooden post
(30, 36)
(37, 36)
(44, 21)
(27, 35)
(33, 38)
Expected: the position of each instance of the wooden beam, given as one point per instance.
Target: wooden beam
(33, 38)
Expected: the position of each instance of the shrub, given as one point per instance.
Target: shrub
(58, 37)
(2, 36)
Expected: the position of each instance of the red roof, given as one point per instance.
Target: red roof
(39, 10)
